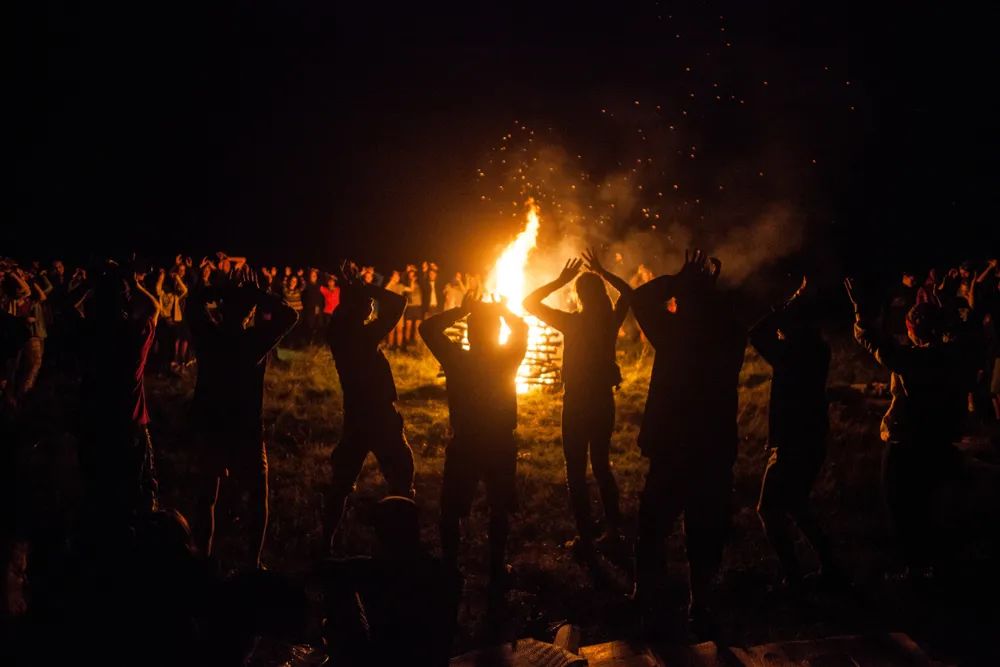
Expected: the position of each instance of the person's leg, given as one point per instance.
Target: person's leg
(31, 364)
(800, 509)
(772, 510)
(347, 459)
(661, 502)
(258, 504)
(395, 458)
(574, 444)
(500, 476)
(707, 517)
(602, 427)
(458, 486)
(907, 492)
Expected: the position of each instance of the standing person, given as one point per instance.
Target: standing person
(371, 421)
(454, 292)
(789, 339)
(482, 405)
(395, 338)
(414, 306)
(31, 309)
(292, 292)
(115, 449)
(331, 299)
(688, 429)
(172, 293)
(228, 398)
(929, 400)
(432, 293)
(590, 376)
(313, 303)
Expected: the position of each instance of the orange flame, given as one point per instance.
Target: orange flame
(507, 282)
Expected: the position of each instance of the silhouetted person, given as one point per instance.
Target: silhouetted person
(115, 449)
(371, 421)
(789, 339)
(313, 303)
(482, 404)
(228, 397)
(929, 402)
(688, 429)
(395, 608)
(590, 374)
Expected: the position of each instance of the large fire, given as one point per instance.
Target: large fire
(507, 282)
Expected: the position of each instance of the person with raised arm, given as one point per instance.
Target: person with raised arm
(590, 375)
(688, 429)
(482, 405)
(371, 421)
(229, 395)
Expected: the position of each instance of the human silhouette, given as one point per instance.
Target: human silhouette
(929, 387)
(688, 429)
(395, 607)
(482, 404)
(229, 395)
(789, 339)
(371, 421)
(590, 374)
(115, 449)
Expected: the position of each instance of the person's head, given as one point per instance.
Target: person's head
(394, 277)
(965, 270)
(313, 276)
(593, 296)
(432, 275)
(293, 282)
(397, 527)
(288, 271)
(411, 275)
(458, 277)
(59, 267)
(206, 274)
(331, 282)
(180, 270)
(225, 265)
(484, 326)
(923, 324)
(909, 278)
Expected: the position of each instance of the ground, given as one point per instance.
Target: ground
(303, 418)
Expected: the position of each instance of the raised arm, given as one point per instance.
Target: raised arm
(885, 351)
(764, 334)
(275, 318)
(552, 316)
(145, 298)
(390, 309)
(624, 289)
(432, 331)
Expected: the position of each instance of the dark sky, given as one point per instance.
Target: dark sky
(307, 131)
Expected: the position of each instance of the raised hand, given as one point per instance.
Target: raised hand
(852, 293)
(592, 262)
(571, 270)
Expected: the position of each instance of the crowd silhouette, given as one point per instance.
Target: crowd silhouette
(937, 338)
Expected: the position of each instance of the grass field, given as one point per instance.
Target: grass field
(303, 421)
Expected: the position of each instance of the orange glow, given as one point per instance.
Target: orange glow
(507, 282)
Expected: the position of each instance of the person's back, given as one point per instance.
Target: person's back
(366, 379)
(482, 394)
(693, 389)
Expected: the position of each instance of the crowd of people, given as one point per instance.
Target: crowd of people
(937, 337)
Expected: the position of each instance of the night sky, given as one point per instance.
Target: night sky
(308, 131)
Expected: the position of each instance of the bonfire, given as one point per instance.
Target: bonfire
(506, 282)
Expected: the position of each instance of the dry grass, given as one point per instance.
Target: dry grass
(303, 414)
